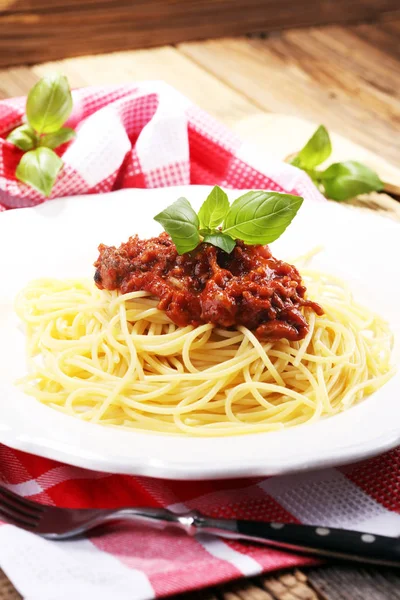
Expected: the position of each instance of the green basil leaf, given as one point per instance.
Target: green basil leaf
(317, 149)
(182, 224)
(39, 169)
(346, 180)
(213, 209)
(295, 161)
(53, 140)
(49, 104)
(23, 137)
(261, 217)
(221, 240)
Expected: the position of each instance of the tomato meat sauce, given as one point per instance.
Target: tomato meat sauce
(247, 287)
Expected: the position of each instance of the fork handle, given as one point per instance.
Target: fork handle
(321, 541)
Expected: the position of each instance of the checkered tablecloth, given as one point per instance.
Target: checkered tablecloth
(148, 135)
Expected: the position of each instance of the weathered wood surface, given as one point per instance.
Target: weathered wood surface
(346, 77)
(40, 30)
(323, 583)
(339, 76)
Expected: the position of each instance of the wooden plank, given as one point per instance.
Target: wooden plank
(38, 30)
(380, 36)
(355, 583)
(369, 8)
(16, 82)
(322, 75)
(7, 590)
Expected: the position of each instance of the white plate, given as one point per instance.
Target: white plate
(60, 238)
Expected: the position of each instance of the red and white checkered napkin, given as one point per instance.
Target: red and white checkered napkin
(142, 135)
(148, 135)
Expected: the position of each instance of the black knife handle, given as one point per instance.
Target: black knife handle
(321, 541)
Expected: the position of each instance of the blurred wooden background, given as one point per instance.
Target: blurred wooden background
(33, 31)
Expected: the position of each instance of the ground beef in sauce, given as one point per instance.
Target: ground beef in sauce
(247, 287)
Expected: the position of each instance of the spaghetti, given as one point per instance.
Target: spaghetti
(116, 359)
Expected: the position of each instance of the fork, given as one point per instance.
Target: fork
(55, 523)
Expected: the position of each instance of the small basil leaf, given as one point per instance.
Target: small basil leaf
(261, 217)
(317, 149)
(206, 231)
(221, 240)
(49, 104)
(346, 180)
(213, 209)
(182, 224)
(23, 137)
(39, 169)
(53, 140)
(295, 161)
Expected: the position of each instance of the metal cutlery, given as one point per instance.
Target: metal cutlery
(56, 523)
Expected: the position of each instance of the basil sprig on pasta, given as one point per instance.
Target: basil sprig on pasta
(257, 217)
(48, 106)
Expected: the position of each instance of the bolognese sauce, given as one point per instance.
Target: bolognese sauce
(247, 287)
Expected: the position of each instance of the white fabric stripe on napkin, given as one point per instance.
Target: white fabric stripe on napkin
(328, 498)
(45, 570)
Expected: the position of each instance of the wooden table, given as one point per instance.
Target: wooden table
(346, 77)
